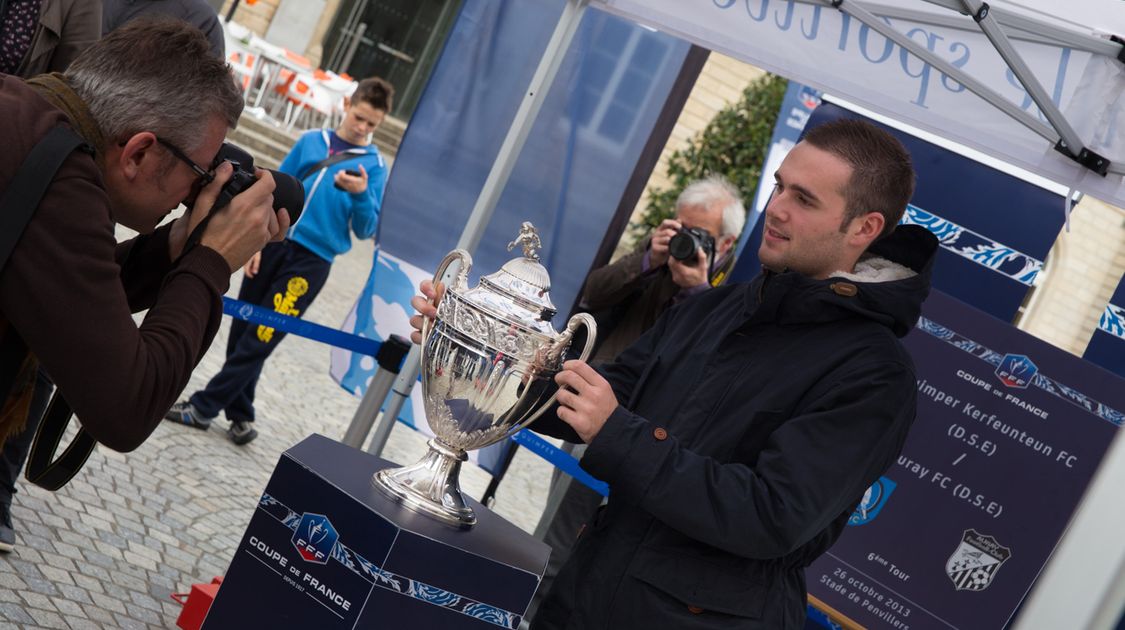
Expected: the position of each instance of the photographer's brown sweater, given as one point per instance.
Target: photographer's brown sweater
(70, 290)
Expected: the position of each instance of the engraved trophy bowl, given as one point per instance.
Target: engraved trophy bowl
(488, 364)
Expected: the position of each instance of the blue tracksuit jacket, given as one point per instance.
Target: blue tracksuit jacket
(329, 211)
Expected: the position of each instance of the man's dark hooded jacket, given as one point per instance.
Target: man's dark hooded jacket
(752, 420)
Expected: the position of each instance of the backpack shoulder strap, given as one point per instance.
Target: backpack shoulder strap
(20, 199)
(22, 194)
(17, 205)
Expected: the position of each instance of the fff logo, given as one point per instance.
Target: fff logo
(1016, 370)
(315, 537)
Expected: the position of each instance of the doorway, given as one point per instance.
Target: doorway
(398, 40)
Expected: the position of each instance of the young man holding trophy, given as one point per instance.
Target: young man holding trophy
(738, 434)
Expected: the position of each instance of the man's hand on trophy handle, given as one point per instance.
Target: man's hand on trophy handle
(426, 306)
(586, 399)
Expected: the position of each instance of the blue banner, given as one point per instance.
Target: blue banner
(580, 154)
(1009, 432)
(1107, 347)
(568, 180)
(995, 229)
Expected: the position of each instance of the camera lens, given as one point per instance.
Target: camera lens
(682, 246)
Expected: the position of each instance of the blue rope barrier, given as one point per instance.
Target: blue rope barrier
(559, 459)
(287, 323)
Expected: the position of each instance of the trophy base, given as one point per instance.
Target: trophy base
(430, 486)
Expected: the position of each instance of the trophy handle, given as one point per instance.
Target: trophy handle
(581, 319)
(560, 345)
(459, 281)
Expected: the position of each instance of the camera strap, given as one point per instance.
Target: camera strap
(53, 474)
(329, 161)
(18, 204)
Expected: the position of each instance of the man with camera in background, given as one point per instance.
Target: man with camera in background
(685, 256)
(629, 295)
(152, 106)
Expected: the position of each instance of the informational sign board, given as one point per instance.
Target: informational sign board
(1008, 434)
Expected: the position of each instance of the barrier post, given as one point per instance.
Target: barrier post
(389, 359)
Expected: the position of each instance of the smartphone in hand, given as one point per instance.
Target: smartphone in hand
(350, 171)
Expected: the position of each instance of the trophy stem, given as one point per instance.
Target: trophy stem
(430, 486)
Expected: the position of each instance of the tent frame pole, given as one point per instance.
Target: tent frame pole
(1058, 35)
(520, 129)
(1061, 134)
(1068, 137)
(860, 12)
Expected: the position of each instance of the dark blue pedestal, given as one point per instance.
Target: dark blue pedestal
(325, 549)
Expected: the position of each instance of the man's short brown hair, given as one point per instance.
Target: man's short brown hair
(376, 92)
(882, 173)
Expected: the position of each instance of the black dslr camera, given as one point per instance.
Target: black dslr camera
(288, 192)
(687, 241)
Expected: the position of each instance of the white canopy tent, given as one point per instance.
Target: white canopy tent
(1028, 76)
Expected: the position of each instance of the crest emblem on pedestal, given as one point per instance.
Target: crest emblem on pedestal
(315, 537)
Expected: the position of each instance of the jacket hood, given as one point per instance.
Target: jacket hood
(888, 286)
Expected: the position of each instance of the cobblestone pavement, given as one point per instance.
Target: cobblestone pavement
(109, 549)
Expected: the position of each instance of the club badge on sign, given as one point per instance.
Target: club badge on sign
(975, 562)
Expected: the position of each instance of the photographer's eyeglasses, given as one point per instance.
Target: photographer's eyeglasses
(205, 176)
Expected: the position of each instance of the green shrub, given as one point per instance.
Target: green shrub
(733, 144)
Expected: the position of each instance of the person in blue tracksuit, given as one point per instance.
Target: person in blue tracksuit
(344, 176)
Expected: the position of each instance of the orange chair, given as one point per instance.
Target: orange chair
(243, 65)
(315, 94)
(298, 59)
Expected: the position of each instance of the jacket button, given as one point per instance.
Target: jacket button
(660, 434)
(695, 610)
(845, 289)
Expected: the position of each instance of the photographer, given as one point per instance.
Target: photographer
(345, 176)
(629, 295)
(152, 104)
(36, 37)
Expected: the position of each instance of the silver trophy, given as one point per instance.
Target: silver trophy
(488, 365)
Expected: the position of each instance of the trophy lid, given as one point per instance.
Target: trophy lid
(523, 279)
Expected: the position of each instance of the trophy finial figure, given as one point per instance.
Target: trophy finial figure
(529, 238)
